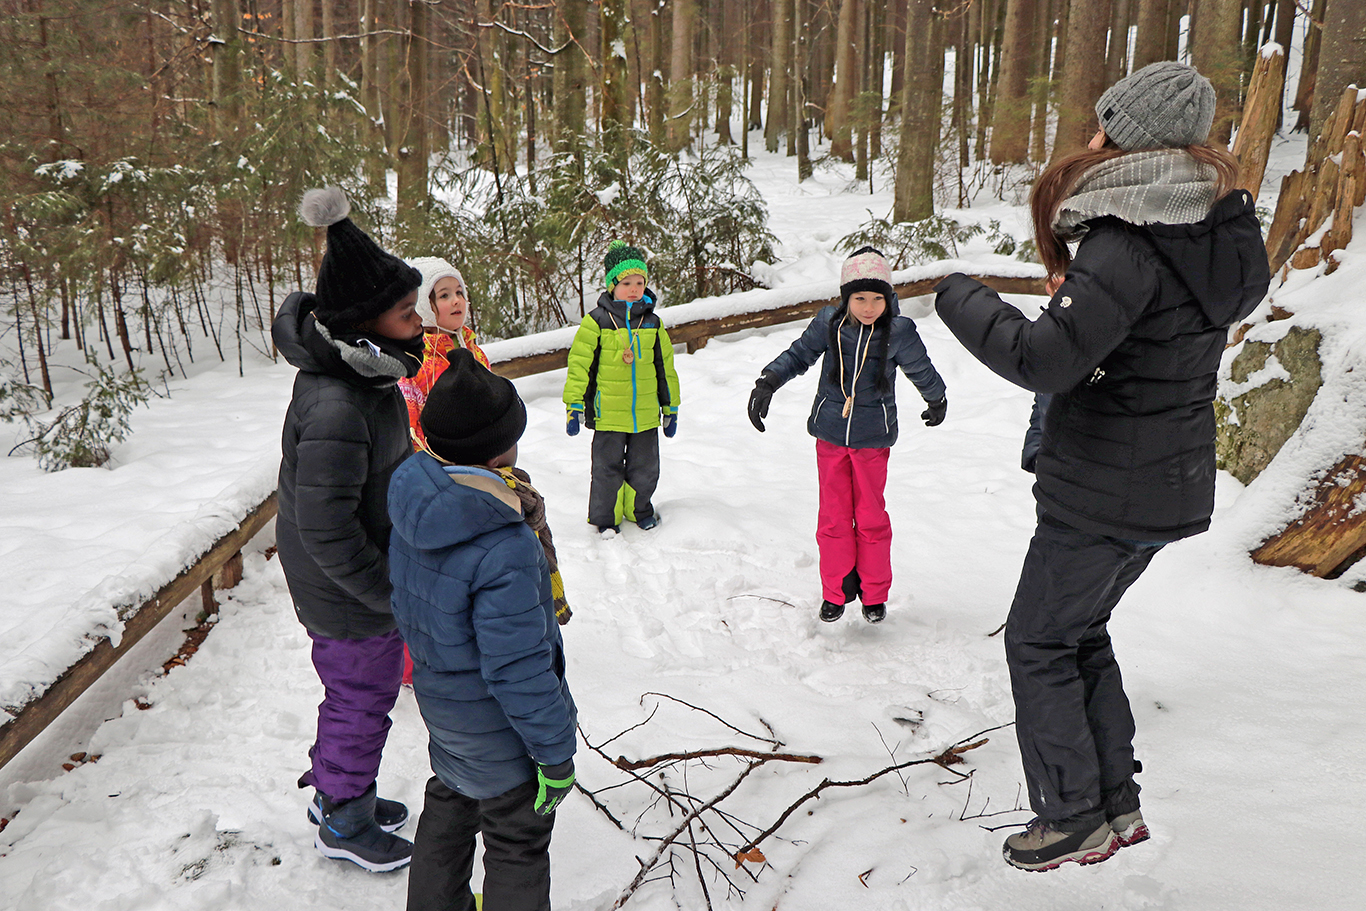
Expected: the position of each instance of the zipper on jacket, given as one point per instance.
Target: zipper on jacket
(886, 422)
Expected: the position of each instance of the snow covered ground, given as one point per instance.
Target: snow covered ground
(1246, 681)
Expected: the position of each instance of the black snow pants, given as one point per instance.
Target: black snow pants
(620, 456)
(1072, 718)
(516, 851)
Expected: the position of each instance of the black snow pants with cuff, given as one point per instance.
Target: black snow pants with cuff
(1072, 718)
(620, 456)
(516, 851)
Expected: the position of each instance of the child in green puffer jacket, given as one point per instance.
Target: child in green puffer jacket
(622, 384)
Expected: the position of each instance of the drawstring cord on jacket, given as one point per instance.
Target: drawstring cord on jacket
(839, 346)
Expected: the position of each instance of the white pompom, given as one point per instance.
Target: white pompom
(324, 207)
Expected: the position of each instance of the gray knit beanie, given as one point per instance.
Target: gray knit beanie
(1165, 105)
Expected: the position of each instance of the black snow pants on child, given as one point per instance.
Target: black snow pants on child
(620, 456)
(1072, 718)
(516, 851)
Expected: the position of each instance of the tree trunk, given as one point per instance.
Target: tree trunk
(1042, 85)
(920, 101)
(657, 88)
(1342, 62)
(227, 66)
(1151, 45)
(1082, 79)
(1216, 51)
(1010, 118)
(1309, 66)
(841, 95)
(616, 117)
(780, 65)
(680, 74)
(1117, 49)
(877, 72)
(801, 126)
(305, 51)
(370, 96)
(756, 70)
(414, 152)
(571, 104)
(329, 75)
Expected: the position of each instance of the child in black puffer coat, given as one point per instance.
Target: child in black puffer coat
(854, 422)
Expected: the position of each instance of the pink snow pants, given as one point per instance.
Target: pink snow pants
(852, 527)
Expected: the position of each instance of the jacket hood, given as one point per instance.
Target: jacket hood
(307, 345)
(1221, 259)
(617, 308)
(433, 509)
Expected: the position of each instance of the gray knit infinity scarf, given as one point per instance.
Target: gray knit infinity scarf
(1165, 186)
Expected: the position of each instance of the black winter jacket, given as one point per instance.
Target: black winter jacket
(1130, 344)
(345, 432)
(872, 422)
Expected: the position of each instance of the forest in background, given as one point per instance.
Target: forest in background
(152, 155)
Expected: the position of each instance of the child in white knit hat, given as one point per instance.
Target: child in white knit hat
(443, 301)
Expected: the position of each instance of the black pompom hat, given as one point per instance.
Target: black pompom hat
(472, 415)
(357, 280)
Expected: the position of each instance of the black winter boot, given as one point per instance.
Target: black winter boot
(874, 613)
(390, 815)
(830, 611)
(349, 832)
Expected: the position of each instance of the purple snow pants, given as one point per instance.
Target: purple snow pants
(360, 680)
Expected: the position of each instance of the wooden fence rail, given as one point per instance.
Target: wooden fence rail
(224, 558)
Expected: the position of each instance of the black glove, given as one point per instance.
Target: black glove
(764, 387)
(933, 415)
(553, 782)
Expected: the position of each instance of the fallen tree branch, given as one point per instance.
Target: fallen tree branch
(627, 765)
(951, 756)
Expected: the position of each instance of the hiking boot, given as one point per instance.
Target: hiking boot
(390, 815)
(1041, 847)
(830, 611)
(874, 613)
(1129, 829)
(648, 522)
(349, 832)
(608, 531)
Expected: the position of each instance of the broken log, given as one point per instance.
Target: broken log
(1330, 535)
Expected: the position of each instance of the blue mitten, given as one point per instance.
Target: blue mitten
(572, 417)
(669, 421)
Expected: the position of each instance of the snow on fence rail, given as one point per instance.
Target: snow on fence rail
(691, 324)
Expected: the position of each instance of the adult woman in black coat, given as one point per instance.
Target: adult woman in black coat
(1170, 255)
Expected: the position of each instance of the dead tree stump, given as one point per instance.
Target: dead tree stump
(1261, 110)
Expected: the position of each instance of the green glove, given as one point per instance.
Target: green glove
(552, 784)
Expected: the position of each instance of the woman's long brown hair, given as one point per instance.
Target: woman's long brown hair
(1056, 183)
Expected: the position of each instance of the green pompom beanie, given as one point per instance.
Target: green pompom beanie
(622, 260)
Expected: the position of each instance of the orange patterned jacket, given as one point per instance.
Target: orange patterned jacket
(435, 346)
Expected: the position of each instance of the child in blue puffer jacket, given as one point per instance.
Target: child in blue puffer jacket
(863, 340)
(470, 559)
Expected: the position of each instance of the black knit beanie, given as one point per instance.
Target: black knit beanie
(472, 414)
(357, 281)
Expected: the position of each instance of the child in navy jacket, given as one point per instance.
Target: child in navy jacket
(854, 421)
(473, 599)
